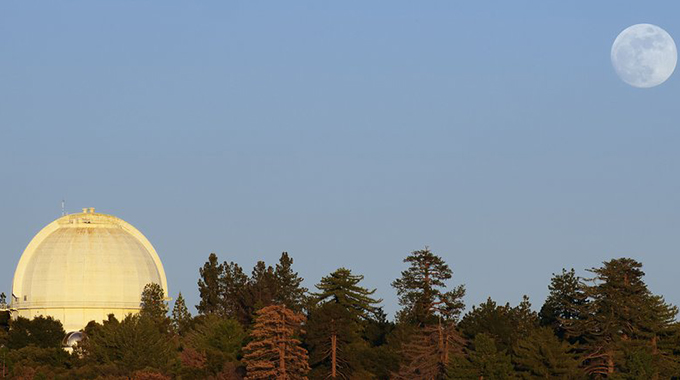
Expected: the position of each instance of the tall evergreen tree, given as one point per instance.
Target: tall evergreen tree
(181, 318)
(210, 287)
(4, 318)
(234, 285)
(274, 351)
(541, 355)
(504, 323)
(331, 331)
(429, 351)
(217, 340)
(44, 332)
(153, 304)
(262, 287)
(434, 311)
(133, 344)
(620, 313)
(342, 287)
(289, 289)
(564, 302)
(487, 361)
(342, 308)
(421, 289)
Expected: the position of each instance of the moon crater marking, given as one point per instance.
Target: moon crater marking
(644, 55)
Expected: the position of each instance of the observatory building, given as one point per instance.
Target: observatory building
(83, 267)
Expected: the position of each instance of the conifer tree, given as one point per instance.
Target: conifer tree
(433, 310)
(331, 330)
(181, 318)
(289, 289)
(487, 361)
(342, 287)
(40, 332)
(217, 340)
(274, 351)
(153, 303)
(429, 351)
(4, 319)
(541, 355)
(620, 313)
(421, 289)
(564, 302)
(135, 343)
(504, 323)
(210, 287)
(234, 285)
(341, 309)
(261, 286)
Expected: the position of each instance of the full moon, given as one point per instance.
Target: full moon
(644, 55)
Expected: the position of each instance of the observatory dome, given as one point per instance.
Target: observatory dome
(83, 267)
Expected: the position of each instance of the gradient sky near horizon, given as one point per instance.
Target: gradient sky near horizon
(346, 133)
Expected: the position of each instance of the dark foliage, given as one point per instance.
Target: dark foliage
(263, 325)
(44, 332)
(505, 324)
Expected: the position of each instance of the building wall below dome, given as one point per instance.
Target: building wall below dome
(75, 319)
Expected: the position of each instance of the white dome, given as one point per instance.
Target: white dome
(82, 267)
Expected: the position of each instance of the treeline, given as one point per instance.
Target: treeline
(266, 325)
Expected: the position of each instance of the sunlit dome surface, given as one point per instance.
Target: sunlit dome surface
(82, 267)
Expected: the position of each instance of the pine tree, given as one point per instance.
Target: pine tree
(261, 287)
(289, 289)
(133, 344)
(153, 303)
(234, 285)
(420, 289)
(341, 309)
(331, 330)
(181, 318)
(564, 302)
(541, 355)
(669, 347)
(210, 287)
(216, 341)
(488, 362)
(429, 351)
(4, 319)
(274, 351)
(342, 287)
(620, 313)
(504, 323)
(434, 311)
(44, 332)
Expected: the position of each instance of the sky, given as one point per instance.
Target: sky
(347, 134)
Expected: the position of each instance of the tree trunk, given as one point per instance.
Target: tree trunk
(334, 348)
(610, 362)
(441, 337)
(282, 354)
(282, 361)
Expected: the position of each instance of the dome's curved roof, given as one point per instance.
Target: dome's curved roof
(86, 261)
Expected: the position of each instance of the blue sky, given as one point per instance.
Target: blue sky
(346, 133)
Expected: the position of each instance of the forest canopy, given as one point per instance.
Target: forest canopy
(266, 325)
